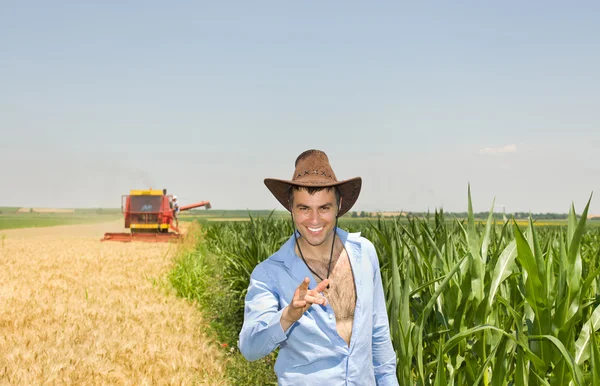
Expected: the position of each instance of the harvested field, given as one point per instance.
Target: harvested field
(74, 310)
(45, 210)
(52, 210)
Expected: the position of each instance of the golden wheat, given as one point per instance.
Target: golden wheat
(74, 310)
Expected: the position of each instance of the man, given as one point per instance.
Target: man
(319, 298)
(176, 211)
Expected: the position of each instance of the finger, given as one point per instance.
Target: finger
(304, 284)
(316, 300)
(322, 285)
(299, 303)
(296, 294)
(314, 293)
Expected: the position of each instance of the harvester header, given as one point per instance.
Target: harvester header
(150, 214)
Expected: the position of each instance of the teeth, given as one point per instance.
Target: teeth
(315, 229)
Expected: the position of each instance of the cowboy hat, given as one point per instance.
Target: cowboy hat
(313, 170)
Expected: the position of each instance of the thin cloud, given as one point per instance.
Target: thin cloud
(499, 150)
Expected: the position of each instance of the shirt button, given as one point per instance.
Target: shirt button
(330, 316)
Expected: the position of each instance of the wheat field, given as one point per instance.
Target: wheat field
(75, 311)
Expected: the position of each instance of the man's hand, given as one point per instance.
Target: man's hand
(302, 300)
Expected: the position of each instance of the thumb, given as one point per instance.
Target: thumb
(322, 285)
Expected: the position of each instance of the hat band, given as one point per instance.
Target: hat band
(319, 174)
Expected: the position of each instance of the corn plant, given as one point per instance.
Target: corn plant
(493, 304)
(242, 245)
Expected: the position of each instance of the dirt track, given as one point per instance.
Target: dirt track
(74, 310)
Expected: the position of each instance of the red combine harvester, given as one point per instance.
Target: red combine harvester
(149, 216)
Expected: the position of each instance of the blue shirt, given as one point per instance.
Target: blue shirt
(311, 350)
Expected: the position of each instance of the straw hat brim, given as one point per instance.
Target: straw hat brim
(349, 190)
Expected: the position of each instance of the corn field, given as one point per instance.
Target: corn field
(493, 305)
(468, 303)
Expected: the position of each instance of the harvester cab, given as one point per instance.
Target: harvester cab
(149, 214)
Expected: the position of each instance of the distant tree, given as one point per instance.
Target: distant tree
(354, 214)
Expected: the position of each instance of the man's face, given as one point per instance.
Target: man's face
(314, 215)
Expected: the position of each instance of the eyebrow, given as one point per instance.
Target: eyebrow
(299, 205)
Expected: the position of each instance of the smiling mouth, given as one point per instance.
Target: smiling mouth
(315, 230)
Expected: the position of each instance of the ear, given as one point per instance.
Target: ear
(339, 206)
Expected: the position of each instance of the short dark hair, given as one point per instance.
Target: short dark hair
(312, 190)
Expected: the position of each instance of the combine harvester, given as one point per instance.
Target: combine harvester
(149, 216)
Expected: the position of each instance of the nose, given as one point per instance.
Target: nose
(314, 217)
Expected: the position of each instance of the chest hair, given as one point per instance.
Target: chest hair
(341, 294)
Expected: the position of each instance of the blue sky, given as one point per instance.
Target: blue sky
(209, 98)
